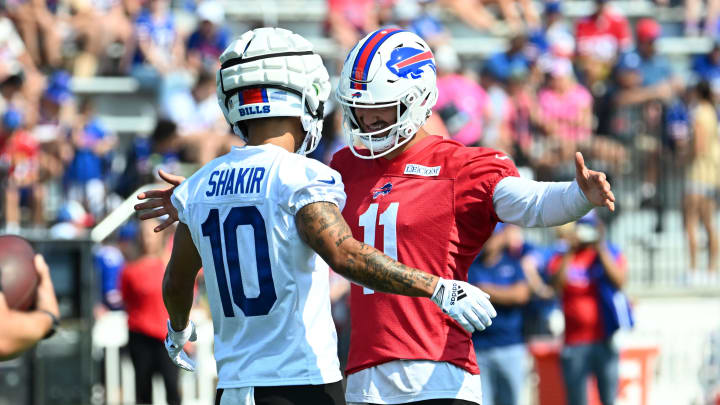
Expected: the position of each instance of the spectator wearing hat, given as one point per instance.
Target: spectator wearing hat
(500, 350)
(554, 38)
(655, 68)
(209, 39)
(554, 22)
(657, 87)
(588, 263)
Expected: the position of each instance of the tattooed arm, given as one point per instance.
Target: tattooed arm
(322, 227)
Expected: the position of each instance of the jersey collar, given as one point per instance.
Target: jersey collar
(410, 152)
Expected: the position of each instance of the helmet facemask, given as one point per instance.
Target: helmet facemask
(412, 110)
(389, 67)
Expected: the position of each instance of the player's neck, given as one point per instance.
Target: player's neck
(419, 135)
(285, 132)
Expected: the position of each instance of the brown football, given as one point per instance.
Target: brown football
(18, 276)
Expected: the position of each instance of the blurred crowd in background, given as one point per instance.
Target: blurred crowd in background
(595, 83)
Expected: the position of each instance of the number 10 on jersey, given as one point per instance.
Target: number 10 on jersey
(229, 253)
(388, 220)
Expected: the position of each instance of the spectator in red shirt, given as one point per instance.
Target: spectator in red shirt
(601, 37)
(141, 288)
(576, 275)
(19, 170)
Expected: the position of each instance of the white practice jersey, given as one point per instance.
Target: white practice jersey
(268, 290)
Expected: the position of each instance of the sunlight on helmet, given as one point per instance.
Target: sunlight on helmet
(388, 68)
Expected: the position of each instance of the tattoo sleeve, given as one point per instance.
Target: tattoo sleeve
(322, 226)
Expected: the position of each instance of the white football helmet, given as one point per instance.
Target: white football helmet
(389, 67)
(273, 72)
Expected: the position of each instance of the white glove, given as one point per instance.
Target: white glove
(466, 304)
(174, 342)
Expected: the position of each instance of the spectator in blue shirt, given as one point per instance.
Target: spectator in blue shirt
(515, 58)
(158, 48)
(500, 349)
(654, 68)
(109, 261)
(707, 66)
(209, 39)
(92, 145)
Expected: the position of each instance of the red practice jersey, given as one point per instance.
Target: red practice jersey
(430, 208)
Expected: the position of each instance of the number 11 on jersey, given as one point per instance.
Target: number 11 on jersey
(388, 221)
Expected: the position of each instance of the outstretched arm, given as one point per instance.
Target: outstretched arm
(158, 202)
(322, 226)
(531, 203)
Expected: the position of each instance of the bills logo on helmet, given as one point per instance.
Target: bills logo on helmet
(408, 62)
(254, 109)
(384, 190)
(356, 94)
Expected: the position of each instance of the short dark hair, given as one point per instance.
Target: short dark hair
(164, 130)
(704, 91)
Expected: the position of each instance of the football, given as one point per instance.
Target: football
(18, 276)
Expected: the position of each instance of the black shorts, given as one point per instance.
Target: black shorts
(325, 394)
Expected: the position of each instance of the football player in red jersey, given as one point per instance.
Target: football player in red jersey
(425, 201)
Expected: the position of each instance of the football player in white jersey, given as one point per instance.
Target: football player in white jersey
(261, 219)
